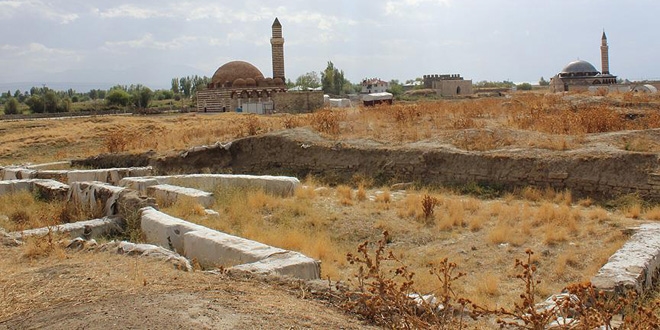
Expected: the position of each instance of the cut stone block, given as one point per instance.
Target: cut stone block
(277, 185)
(62, 165)
(169, 194)
(17, 173)
(212, 248)
(138, 183)
(289, 263)
(635, 266)
(88, 229)
(50, 189)
(109, 175)
(164, 230)
(90, 194)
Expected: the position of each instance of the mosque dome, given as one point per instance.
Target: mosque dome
(239, 83)
(235, 70)
(580, 66)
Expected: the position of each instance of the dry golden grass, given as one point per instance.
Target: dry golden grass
(345, 195)
(526, 120)
(361, 193)
(20, 211)
(633, 211)
(565, 260)
(652, 213)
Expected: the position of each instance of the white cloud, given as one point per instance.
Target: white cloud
(134, 11)
(399, 7)
(147, 41)
(11, 9)
(39, 57)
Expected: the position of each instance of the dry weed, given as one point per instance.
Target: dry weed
(345, 195)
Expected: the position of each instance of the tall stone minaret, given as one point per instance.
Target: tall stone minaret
(277, 44)
(604, 55)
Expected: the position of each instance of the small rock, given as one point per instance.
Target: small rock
(402, 186)
(212, 213)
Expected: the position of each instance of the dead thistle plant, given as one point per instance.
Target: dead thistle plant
(428, 205)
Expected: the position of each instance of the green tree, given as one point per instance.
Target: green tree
(64, 105)
(11, 106)
(395, 88)
(332, 80)
(50, 101)
(543, 82)
(117, 97)
(308, 80)
(524, 87)
(141, 96)
(175, 86)
(186, 86)
(35, 103)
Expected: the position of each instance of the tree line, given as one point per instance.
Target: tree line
(137, 96)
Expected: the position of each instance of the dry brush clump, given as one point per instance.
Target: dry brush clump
(387, 295)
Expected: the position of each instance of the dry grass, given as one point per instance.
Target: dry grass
(480, 234)
(526, 120)
(20, 211)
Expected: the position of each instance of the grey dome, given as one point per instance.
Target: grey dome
(579, 66)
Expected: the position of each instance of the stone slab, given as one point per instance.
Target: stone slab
(62, 165)
(165, 230)
(50, 189)
(290, 263)
(141, 184)
(635, 266)
(277, 185)
(89, 229)
(213, 248)
(45, 188)
(90, 194)
(169, 194)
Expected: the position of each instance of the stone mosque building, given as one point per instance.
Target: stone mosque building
(240, 86)
(581, 75)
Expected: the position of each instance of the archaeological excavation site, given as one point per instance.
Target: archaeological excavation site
(361, 218)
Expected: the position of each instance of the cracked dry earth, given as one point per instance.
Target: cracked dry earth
(102, 290)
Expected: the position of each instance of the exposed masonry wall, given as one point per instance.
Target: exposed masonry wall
(635, 266)
(298, 102)
(585, 173)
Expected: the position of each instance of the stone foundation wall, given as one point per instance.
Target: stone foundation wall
(298, 102)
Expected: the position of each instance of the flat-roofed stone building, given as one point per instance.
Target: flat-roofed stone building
(448, 84)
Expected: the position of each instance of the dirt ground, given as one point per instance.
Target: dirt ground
(102, 290)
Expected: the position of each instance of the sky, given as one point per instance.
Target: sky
(87, 44)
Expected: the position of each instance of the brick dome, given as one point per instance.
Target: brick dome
(231, 71)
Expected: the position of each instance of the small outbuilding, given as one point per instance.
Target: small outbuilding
(377, 98)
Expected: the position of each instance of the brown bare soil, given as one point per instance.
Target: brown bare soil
(101, 290)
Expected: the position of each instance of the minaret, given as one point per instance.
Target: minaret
(604, 55)
(277, 44)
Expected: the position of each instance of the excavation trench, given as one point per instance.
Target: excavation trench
(300, 152)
